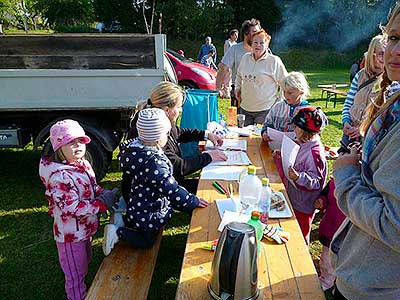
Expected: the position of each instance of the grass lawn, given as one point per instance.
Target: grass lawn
(28, 257)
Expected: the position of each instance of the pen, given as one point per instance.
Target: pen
(219, 189)
(222, 187)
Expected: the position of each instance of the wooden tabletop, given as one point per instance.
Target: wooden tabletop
(284, 271)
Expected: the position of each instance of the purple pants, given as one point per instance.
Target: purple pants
(74, 259)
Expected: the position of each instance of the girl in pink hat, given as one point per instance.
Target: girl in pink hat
(74, 199)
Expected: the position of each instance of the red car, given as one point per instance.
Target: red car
(191, 74)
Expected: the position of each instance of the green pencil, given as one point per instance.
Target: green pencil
(218, 187)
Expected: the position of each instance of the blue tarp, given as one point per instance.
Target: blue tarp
(200, 107)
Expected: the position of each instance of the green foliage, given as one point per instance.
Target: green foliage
(61, 13)
(123, 11)
(266, 11)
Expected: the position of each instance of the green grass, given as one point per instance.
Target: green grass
(28, 258)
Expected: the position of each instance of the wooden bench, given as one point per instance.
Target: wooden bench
(332, 93)
(125, 274)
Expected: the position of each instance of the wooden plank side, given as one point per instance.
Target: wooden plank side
(65, 44)
(85, 51)
(125, 274)
(82, 62)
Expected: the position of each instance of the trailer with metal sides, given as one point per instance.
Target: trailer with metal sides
(95, 79)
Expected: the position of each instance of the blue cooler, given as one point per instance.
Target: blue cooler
(200, 107)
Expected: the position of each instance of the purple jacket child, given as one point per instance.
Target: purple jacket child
(311, 164)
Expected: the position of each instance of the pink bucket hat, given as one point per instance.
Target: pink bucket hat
(65, 131)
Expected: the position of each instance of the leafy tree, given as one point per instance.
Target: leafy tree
(61, 13)
(126, 13)
(267, 11)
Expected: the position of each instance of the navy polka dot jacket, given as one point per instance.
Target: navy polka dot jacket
(154, 192)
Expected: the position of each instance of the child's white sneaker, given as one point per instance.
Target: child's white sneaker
(110, 238)
(116, 219)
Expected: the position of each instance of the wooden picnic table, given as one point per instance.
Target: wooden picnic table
(284, 271)
(332, 90)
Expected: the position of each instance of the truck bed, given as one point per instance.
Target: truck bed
(98, 71)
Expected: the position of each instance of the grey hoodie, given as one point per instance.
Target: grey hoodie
(367, 245)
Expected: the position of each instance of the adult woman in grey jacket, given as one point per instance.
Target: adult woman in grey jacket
(366, 248)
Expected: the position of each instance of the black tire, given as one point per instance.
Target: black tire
(188, 85)
(96, 154)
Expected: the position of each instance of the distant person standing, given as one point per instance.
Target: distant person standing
(234, 54)
(232, 40)
(205, 49)
(233, 36)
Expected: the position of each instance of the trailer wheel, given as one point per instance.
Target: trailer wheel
(96, 154)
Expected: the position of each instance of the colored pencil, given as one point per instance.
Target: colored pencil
(222, 187)
(218, 187)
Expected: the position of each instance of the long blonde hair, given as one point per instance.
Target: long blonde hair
(379, 105)
(164, 94)
(378, 40)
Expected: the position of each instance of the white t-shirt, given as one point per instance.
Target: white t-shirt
(228, 43)
(258, 81)
(232, 58)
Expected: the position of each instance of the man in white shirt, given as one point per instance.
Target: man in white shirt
(231, 59)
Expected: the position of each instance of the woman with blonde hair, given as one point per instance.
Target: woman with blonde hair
(170, 97)
(364, 88)
(366, 248)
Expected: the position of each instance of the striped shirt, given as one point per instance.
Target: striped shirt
(350, 99)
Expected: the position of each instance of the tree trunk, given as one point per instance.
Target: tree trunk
(25, 16)
(152, 16)
(144, 17)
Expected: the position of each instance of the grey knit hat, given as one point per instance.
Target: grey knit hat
(152, 125)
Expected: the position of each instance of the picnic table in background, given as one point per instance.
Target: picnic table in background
(332, 90)
(284, 271)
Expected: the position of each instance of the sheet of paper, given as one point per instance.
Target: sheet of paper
(227, 204)
(229, 144)
(276, 137)
(241, 131)
(289, 152)
(221, 172)
(235, 158)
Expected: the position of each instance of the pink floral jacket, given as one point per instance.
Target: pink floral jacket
(71, 191)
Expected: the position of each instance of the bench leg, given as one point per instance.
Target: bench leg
(334, 101)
